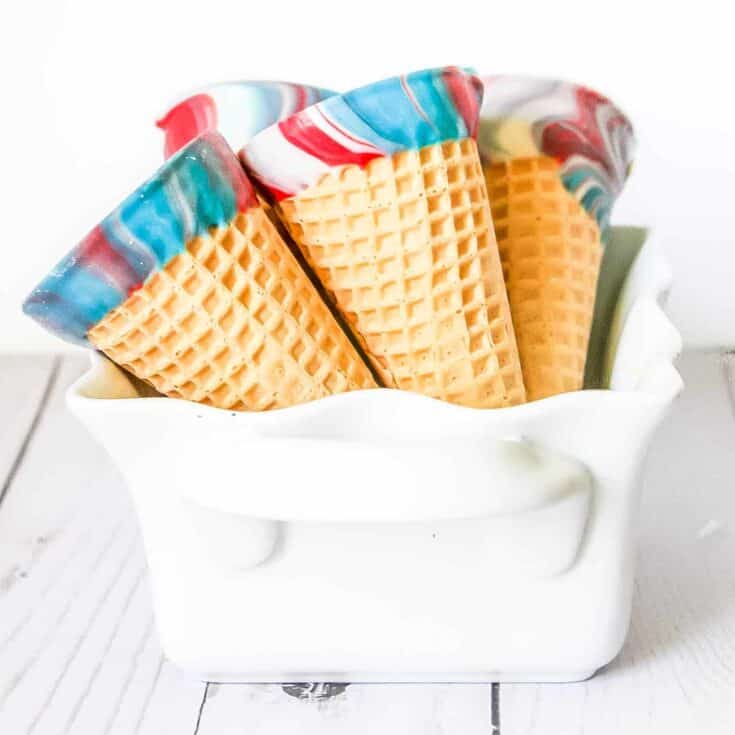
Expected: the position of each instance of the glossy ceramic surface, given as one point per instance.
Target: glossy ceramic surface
(385, 536)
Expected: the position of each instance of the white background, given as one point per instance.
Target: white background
(84, 80)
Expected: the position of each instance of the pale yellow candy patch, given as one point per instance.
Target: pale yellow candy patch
(501, 139)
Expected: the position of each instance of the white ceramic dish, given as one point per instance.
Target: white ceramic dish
(385, 536)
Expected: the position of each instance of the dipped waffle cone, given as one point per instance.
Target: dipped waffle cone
(551, 250)
(405, 247)
(233, 322)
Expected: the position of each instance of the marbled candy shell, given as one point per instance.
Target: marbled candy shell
(586, 133)
(202, 186)
(238, 110)
(397, 114)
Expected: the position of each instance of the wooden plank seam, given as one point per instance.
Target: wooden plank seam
(20, 456)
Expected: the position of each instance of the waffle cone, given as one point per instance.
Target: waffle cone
(405, 247)
(233, 322)
(550, 248)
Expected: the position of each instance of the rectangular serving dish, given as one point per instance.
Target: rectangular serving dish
(385, 536)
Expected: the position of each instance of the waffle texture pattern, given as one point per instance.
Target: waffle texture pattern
(589, 136)
(233, 322)
(397, 114)
(405, 247)
(551, 250)
(202, 186)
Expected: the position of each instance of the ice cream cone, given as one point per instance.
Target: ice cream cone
(550, 249)
(222, 312)
(391, 212)
(555, 157)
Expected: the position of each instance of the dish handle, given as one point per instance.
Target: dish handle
(535, 505)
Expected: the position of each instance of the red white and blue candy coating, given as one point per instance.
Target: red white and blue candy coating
(238, 110)
(202, 186)
(585, 132)
(397, 114)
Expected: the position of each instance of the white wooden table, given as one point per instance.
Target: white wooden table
(79, 654)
